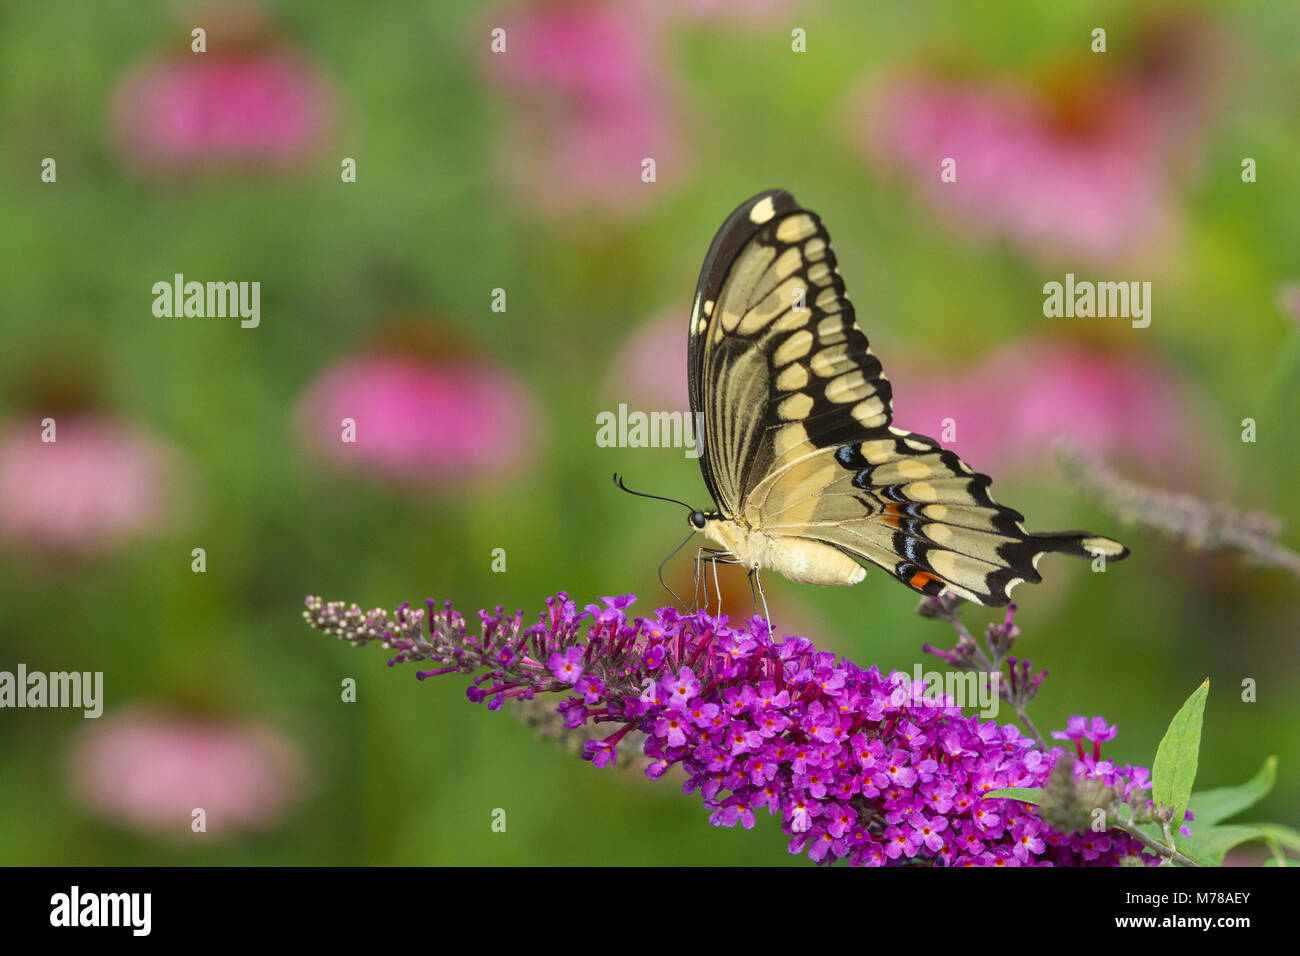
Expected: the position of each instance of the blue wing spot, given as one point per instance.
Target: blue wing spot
(849, 457)
(895, 493)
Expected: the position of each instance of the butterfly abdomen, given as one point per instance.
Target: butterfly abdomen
(799, 559)
(811, 562)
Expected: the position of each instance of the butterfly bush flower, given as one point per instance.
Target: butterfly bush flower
(1197, 524)
(856, 764)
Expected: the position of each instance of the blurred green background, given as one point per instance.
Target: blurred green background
(457, 195)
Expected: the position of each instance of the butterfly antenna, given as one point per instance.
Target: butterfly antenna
(641, 494)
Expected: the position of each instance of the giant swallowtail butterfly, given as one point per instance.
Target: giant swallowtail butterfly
(809, 477)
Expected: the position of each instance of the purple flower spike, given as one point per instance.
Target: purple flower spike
(853, 769)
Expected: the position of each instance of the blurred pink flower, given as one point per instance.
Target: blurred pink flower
(262, 108)
(723, 10)
(1095, 189)
(1010, 407)
(99, 483)
(587, 101)
(649, 369)
(1288, 301)
(419, 420)
(151, 771)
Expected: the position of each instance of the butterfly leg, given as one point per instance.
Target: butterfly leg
(716, 586)
(756, 581)
(714, 558)
(699, 570)
(701, 579)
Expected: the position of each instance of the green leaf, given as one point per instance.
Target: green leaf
(1194, 850)
(1214, 842)
(1174, 770)
(1277, 833)
(1032, 795)
(1211, 806)
(1153, 831)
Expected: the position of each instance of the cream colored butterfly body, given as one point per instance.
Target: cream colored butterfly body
(808, 475)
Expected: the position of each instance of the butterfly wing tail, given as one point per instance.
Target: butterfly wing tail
(1080, 544)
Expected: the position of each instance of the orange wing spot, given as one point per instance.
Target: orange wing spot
(892, 521)
(920, 579)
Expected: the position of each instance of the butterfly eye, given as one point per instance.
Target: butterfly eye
(697, 519)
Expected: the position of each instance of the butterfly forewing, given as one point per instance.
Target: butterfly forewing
(798, 434)
(777, 362)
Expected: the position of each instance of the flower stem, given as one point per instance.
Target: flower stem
(1168, 852)
(1023, 714)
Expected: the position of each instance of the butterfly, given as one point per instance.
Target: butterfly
(809, 476)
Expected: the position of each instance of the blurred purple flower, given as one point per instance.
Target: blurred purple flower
(99, 483)
(150, 771)
(419, 420)
(587, 101)
(1009, 407)
(260, 108)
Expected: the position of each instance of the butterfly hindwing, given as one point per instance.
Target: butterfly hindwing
(918, 511)
(798, 434)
